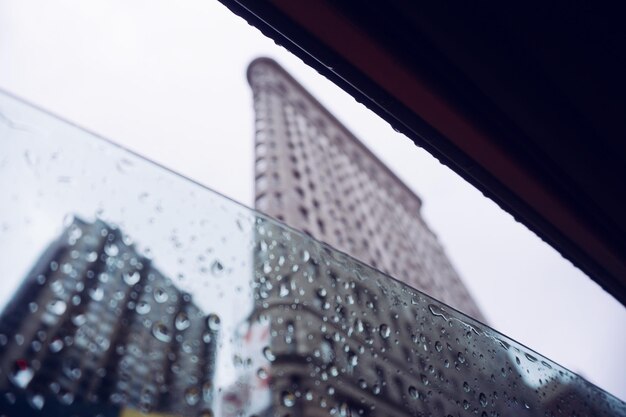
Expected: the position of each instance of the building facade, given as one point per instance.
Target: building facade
(316, 176)
(340, 345)
(332, 337)
(95, 323)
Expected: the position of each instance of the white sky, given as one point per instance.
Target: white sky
(167, 80)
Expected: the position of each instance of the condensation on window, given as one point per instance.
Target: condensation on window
(126, 286)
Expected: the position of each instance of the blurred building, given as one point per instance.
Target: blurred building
(95, 323)
(339, 344)
(316, 176)
(330, 336)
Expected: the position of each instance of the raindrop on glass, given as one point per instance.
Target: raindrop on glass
(182, 321)
(160, 296)
(56, 346)
(261, 373)
(111, 249)
(217, 268)
(21, 374)
(192, 395)
(288, 399)
(483, 399)
(37, 401)
(96, 294)
(143, 308)
(214, 322)
(384, 331)
(161, 332)
(57, 307)
(267, 352)
(71, 368)
(131, 278)
(79, 319)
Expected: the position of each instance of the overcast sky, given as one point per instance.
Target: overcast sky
(167, 80)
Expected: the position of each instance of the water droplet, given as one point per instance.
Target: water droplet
(424, 379)
(483, 399)
(517, 361)
(466, 405)
(31, 159)
(466, 387)
(66, 397)
(438, 346)
(289, 400)
(437, 311)
(91, 256)
(217, 268)
(182, 321)
(111, 249)
(262, 373)
(214, 322)
(21, 374)
(530, 357)
(269, 355)
(96, 294)
(124, 165)
(504, 344)
(71, 368)
(56, 345)
(460, 357)
(344, 410)
(160, 295)
(413, 392)
(57, 307)
(192, 395)
(36, 401)
(79, 320)
(384, 331)
(131, 278)
(161, 332)
(143, 308)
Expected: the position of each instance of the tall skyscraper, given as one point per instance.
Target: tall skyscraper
(316, 176)
(340, 338)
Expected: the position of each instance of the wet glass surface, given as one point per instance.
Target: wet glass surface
(129, 289)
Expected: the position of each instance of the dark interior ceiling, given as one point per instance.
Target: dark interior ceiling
(525, 101)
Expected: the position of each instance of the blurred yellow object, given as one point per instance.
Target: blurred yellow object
(129, 412)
